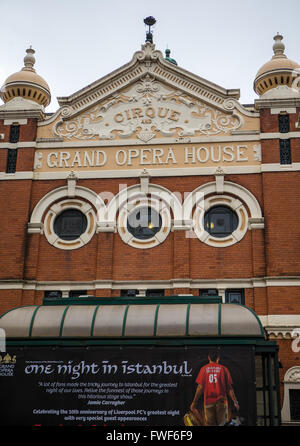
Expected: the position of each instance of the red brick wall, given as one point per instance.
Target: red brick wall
(10, 298)
(106, 257)
(15, 197)
(143, 264)
(67, 265)
(25, 159)
(5, 129)
(269, 121)
(283, 300)
(282, 229)
(14, 205)
(270, 148)
(177, 257)
(260, 304)
(288, 358)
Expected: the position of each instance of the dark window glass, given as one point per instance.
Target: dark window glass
(144, 223)
(285, 151)
(11, 162)
(295, 404)
(234, 297)
(220, 221)
(77, 293)
(51, 294)
(283, 123)
(14, 133)
(155, 293)
(208, 292)
(70, 224)
(129, 293)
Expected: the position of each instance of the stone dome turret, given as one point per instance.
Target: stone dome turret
(279, 71)
(27, 84)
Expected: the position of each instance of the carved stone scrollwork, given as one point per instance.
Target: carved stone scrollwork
(147, 110)
(229, 104)
(148, 53)
(66, 111)
(292, 375)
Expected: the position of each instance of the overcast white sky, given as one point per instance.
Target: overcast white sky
(80, 41)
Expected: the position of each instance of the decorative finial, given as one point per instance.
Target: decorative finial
(29, 59)
(168, 58)
(149, 21)
(278, 46)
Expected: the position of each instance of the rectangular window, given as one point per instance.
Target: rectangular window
(295, 404)
(208, 292)
(11, 162)
(155, 293)
(49, 294)
(129, 293)
(77, 293)
(234, 297)
(284, 123)
(285, 151)
(14, 133)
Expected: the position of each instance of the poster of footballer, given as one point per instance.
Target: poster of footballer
(128, 386)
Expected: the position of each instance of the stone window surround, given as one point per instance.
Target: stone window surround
(291, 381)
(64, 205)
(160, 207)
(186, 216)
(220, 200)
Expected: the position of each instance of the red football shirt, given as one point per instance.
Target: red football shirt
(216, 381)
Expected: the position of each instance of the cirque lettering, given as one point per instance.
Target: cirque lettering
(146, 114)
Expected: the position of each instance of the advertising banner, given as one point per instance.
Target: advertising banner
(127, 386)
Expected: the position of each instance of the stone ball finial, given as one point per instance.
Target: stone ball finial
(29, 59)
(277, 72)
(278, 46)
(26, 83)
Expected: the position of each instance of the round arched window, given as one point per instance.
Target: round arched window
(70, 224)
(220, 221)
(143, 223)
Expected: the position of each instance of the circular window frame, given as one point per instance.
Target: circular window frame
(55, 210)
(214, 201)
(160, 207)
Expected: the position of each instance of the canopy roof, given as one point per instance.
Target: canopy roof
(156, 320)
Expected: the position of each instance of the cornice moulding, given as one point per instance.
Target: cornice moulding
(149, 61)
(276, 103)
(281, 321)
(20, 108)
(21, 114)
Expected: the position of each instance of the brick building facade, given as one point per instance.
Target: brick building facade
(222, 177)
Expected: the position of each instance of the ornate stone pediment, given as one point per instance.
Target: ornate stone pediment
(146, 99)
(147, 110)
